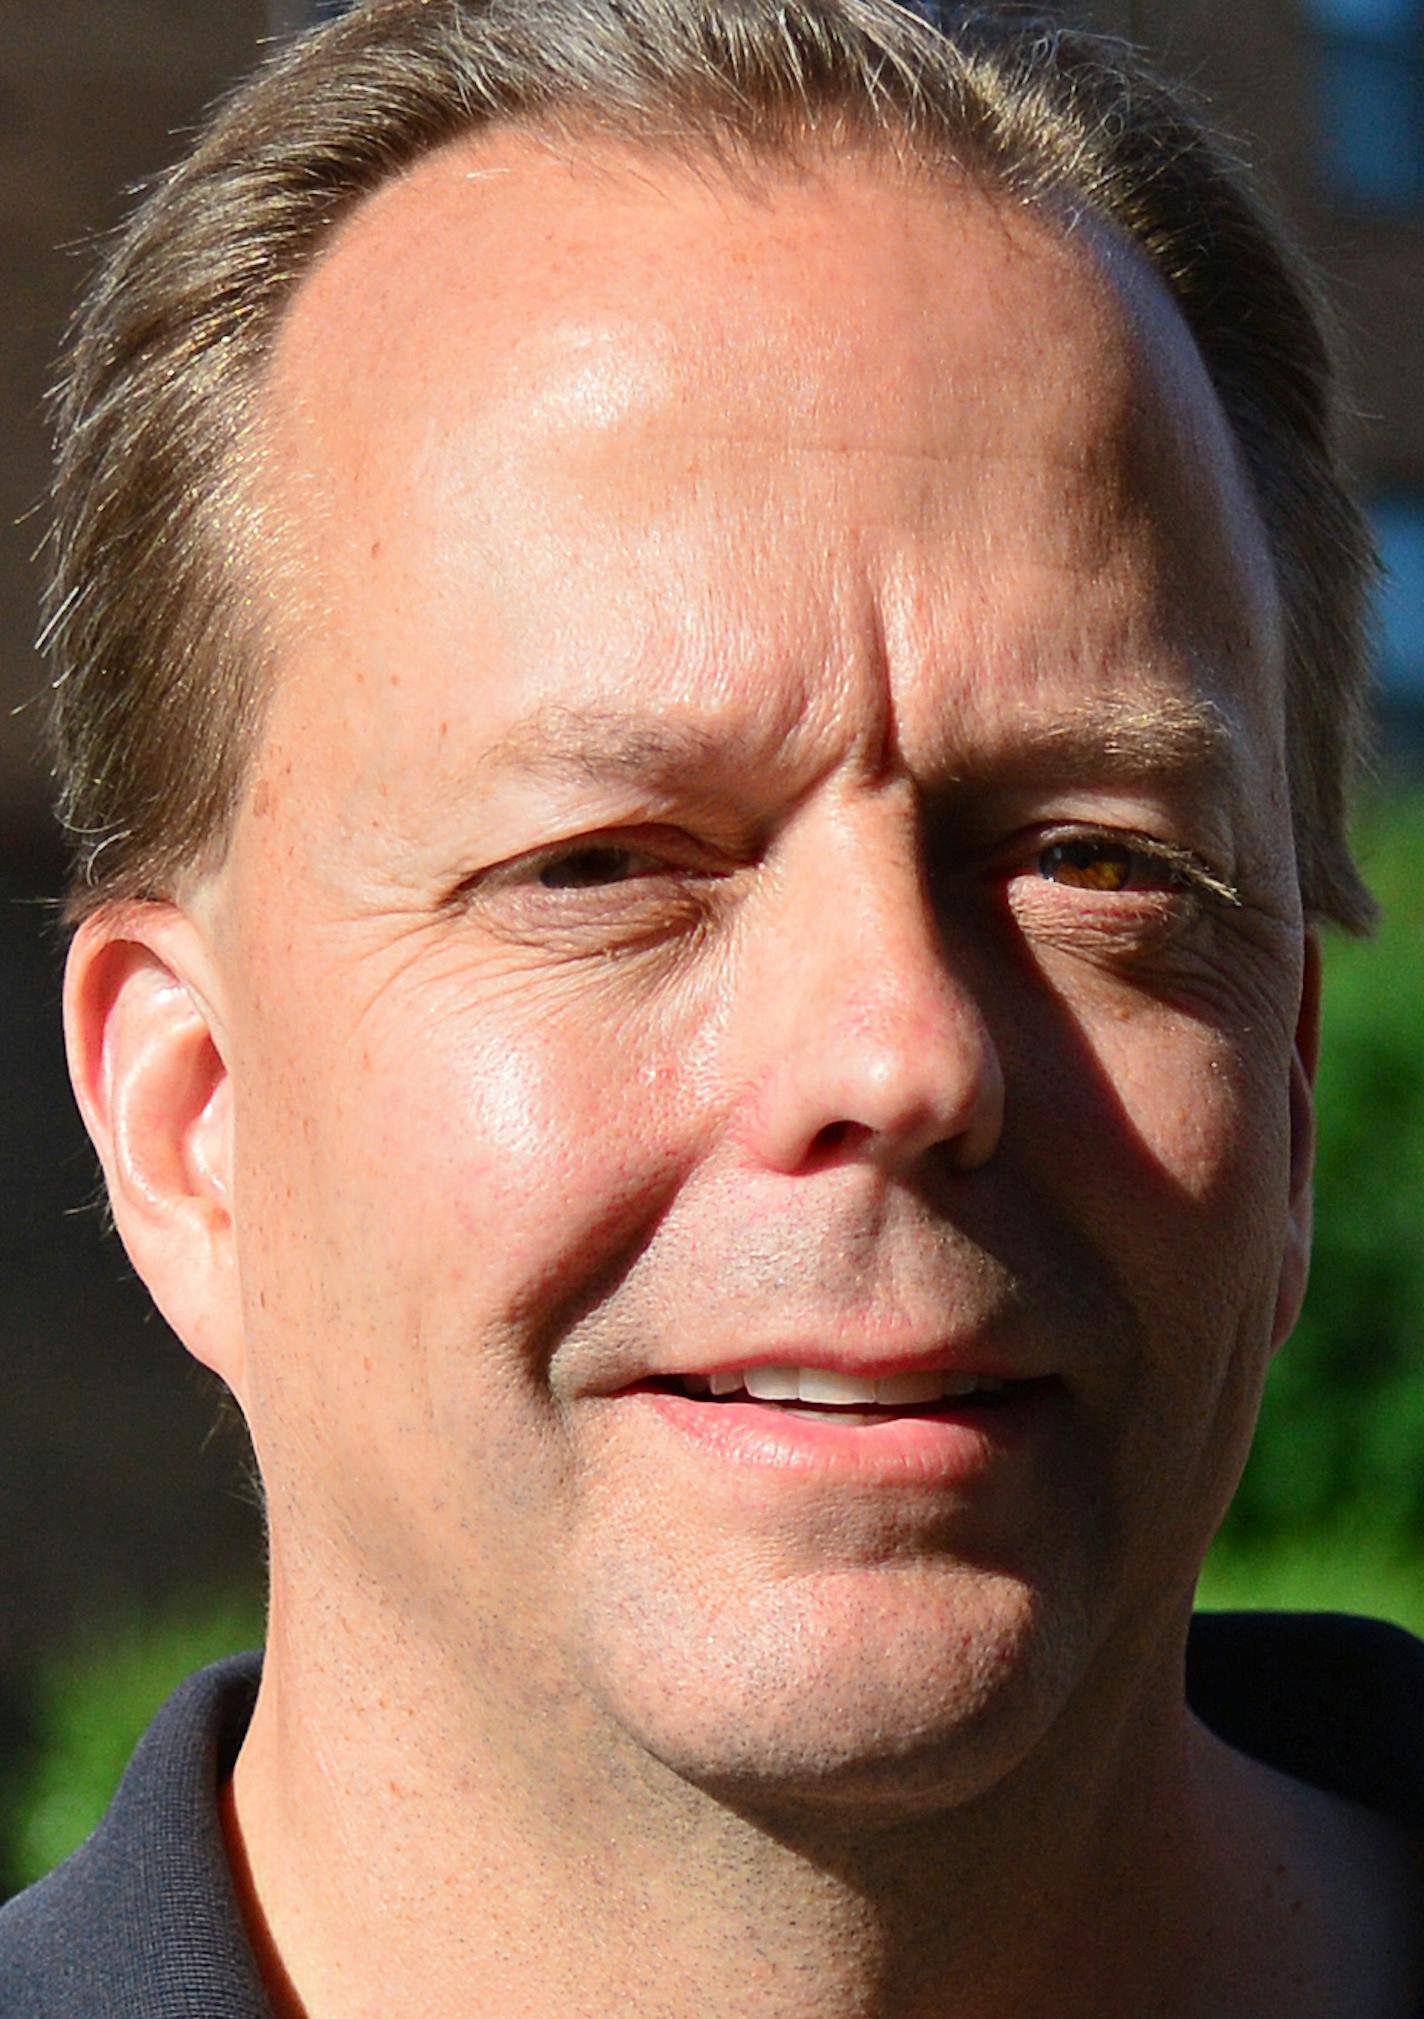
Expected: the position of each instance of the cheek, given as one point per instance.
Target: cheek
(487, 1164)
(1187, 1112)
(1201, 1116)
(553, 1152)
(1185, 1197)
(1201, 1206)
(448, 1195)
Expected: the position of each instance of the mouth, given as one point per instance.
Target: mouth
(935, 1429)
(821, 1393)
(870, 1428)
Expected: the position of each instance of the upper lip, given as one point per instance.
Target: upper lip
(862, 1364)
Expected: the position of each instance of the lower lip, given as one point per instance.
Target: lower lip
(950, 1448)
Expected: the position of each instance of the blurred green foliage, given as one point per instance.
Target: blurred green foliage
(91, 1706)
(1317, 1573)
(1341, 1444)
(1331, 1512)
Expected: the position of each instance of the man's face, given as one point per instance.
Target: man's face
(769, 851)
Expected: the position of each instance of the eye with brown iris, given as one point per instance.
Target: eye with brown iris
(1091, 863)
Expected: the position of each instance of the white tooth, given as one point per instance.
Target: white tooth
(901, 1389)
(823, 1384)
(697, 1384)
(844, 1416)
(772, 1384)
(726, 1384)
(960, 1384)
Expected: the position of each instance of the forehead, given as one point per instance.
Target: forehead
(573, 386)
(564, 298)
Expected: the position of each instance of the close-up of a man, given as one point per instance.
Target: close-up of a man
(708, 658)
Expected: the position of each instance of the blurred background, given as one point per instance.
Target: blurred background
(130, 1542)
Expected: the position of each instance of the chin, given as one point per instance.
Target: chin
(885, 1694)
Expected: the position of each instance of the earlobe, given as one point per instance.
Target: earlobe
(1295, 1266)
(150, 1077)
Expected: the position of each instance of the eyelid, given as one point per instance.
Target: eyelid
(662, 846)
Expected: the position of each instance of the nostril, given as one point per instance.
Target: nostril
(841, 1141)
(835, 1139)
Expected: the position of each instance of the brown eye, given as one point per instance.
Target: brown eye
(587, 868)
(1089, 863)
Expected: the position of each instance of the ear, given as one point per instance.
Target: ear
(146, 1060)
(1295, 1265)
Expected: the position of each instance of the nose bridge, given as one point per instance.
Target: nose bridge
(874, 1044)
(882, 943)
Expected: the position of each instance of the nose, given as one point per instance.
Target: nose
(874, 1046)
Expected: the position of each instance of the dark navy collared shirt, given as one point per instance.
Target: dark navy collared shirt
(143, 1922)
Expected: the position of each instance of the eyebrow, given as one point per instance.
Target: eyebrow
(1123, 736)
(1117, 738)
(600, 745)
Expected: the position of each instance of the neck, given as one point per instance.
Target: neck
(468, 1864)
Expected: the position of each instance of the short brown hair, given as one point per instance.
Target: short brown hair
(155, 612)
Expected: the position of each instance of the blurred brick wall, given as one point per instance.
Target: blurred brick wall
(94, 95)
(109, 1485)
(1255, 61)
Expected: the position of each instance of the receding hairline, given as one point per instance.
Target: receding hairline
(1135, 296)
(260, 510)
(345, 112)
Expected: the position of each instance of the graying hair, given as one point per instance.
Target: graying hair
(155, 612)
